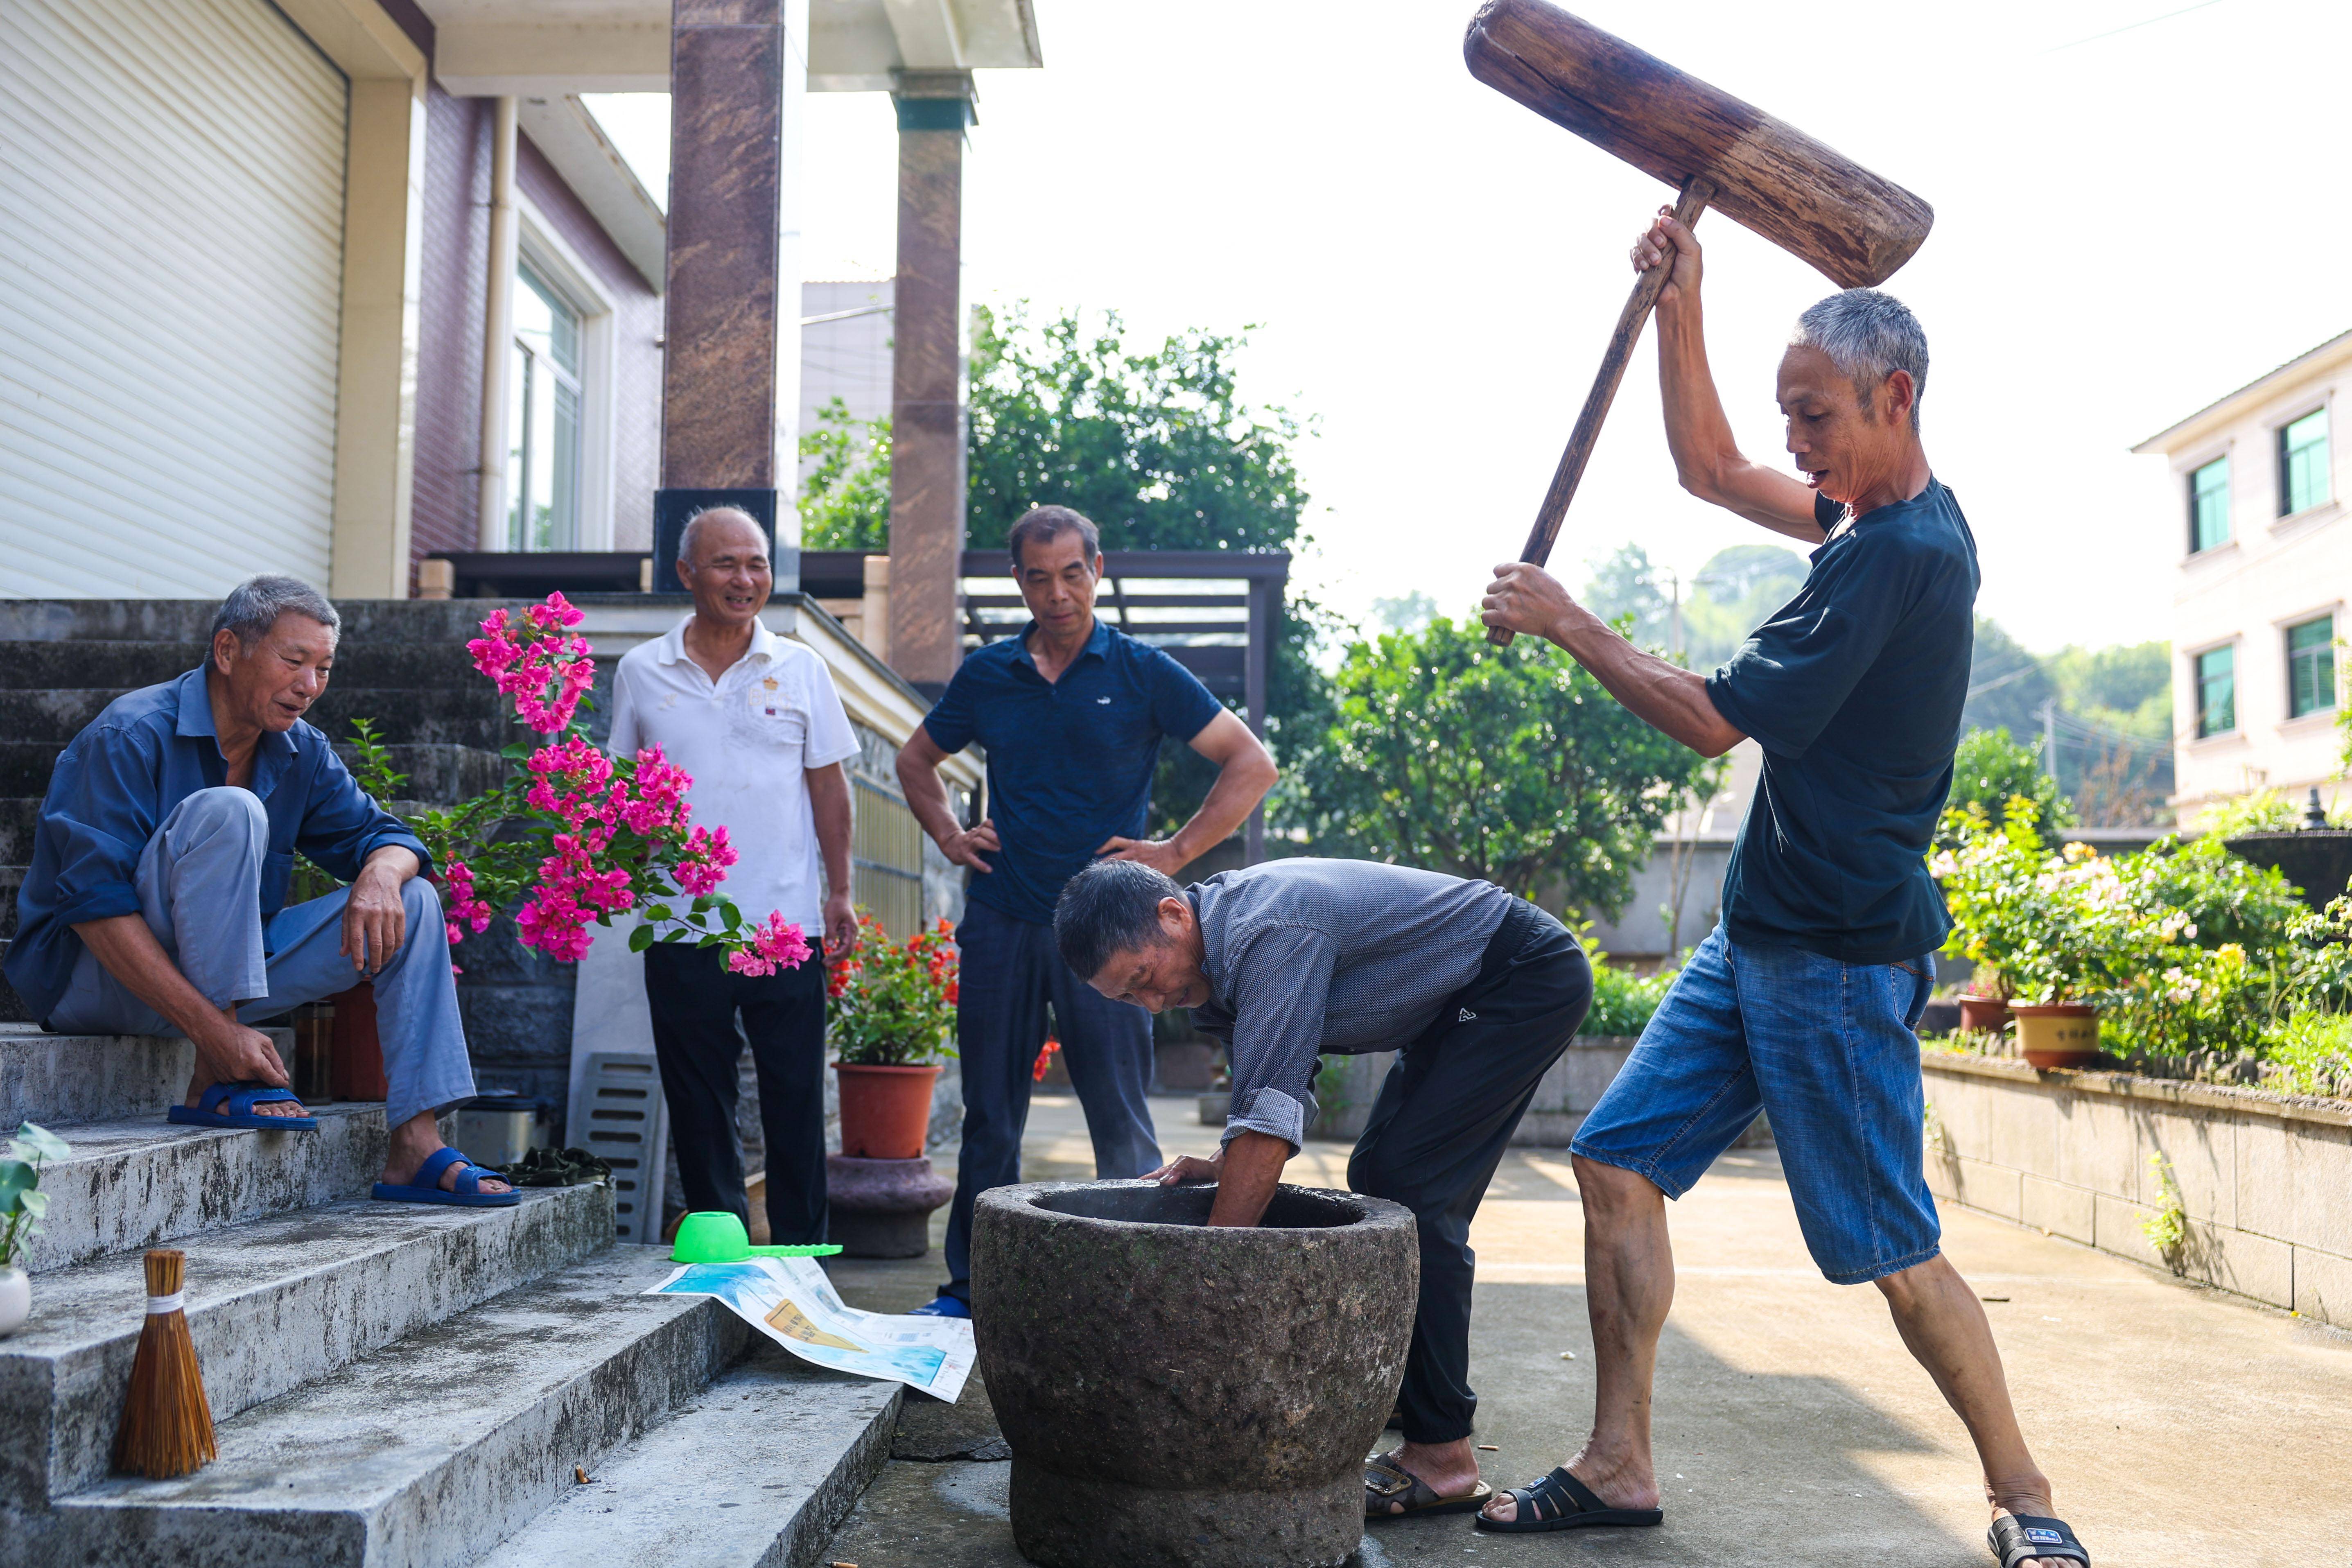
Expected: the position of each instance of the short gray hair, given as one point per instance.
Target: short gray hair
(693, 529)
(1111, 907)
(1869, 336)
(254, 606)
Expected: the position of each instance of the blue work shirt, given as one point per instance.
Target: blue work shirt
(123, 775)
(1855, 689)
(1069, 761)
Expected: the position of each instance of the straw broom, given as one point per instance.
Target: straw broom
(167, 1427)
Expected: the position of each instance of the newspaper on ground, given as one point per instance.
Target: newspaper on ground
(791, 1300)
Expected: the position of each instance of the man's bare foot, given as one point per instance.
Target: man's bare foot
(1449, 1470)
(2031, 1499)
(1626, 1482)
(417, 1140)
(204, 1080)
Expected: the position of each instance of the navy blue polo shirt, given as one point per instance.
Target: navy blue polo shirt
(1855, 689)
(1069, 762)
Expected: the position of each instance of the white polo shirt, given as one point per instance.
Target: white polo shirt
(748, 739)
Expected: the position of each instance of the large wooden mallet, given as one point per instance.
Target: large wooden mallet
(1772, 177)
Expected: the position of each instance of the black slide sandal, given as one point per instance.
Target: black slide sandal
(1561, 1501)
(1387, 1484)
(2021, 1537)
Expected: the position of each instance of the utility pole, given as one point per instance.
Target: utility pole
(2050, 737)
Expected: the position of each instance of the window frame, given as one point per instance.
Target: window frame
(2322, 653)
(2285, 456)
(2229, 532)
(2197, 683)
(540, 248)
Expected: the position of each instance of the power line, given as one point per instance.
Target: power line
(2126, 28)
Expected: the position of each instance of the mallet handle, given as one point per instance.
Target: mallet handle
(1696, 193)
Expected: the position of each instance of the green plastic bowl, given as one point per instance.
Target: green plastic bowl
(719, 1237)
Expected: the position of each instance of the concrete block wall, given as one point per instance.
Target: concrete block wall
(2265, 1179)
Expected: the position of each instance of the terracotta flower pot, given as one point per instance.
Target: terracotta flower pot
(2056, 1034)
(1983, 1015)
(356, 1070)
(885, 1111)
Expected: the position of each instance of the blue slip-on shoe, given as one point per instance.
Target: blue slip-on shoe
(425, 1187)
(231, 1105)
(942, 1306)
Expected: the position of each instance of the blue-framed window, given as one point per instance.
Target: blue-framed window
(2217, 692)
(2209, 506)
(2311, 667)
(2303, 463)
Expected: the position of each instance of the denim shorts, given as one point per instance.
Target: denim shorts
(1826, 1049)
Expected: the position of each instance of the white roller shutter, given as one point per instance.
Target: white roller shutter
(170, 282)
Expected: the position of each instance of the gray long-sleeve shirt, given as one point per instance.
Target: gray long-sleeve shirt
(1307, 958)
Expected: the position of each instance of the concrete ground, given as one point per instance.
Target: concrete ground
(2179, 1425)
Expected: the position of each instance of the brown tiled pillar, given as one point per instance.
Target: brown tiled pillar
(927, 409)
(729, 85)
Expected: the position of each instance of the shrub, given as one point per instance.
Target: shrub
(894, 1002)
(1991, 770)
(1622, 1000)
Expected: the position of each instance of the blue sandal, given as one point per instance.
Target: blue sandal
(424, 1187)
(231, 1105)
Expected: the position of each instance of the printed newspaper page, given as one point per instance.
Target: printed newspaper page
(791, 1300)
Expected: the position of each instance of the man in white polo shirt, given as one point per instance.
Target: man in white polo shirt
(755, 719)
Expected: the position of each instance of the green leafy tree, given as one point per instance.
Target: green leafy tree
(1991, 770)
(2008, 684)
(1512, 764)
(845, 498)
(1736, 591)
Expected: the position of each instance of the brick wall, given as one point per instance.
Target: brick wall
(452, 288)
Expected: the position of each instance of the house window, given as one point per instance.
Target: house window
(543, 419)
(2311, 667)
(2217, 692)
(2303, 464)
(2209, 506)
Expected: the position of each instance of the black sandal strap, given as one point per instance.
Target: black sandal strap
(2020, 1538)
(1555, 1496)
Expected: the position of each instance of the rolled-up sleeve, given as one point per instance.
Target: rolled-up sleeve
(341, 826)
(1282, 976)
(100, 813)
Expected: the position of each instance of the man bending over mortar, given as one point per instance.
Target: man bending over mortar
(1802, 1003)
(1478, 991)
(155, 903)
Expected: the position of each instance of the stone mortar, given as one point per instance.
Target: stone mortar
(1177, 1396)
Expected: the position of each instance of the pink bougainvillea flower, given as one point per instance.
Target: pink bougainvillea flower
(777, 943)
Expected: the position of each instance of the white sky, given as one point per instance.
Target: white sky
(2126, 228)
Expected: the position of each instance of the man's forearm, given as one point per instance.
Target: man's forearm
(1250, 1169)
(1697, 433)
(927, 797)
(397, 861)
(834, 819)
(1241, 785)
(1665, 695)
(126, 946)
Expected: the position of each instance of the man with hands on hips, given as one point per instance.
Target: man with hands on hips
(1803, 1002)
(1072, 714)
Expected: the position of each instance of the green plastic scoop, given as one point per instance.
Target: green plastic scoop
(719, 1237)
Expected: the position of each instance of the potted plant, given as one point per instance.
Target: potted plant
(22, 1204)
(893, 1008)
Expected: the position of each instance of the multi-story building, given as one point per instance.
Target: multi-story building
(2259, 605)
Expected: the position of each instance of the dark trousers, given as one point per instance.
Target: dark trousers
(695, 1001)
(1439, 1128)
(1007, 971)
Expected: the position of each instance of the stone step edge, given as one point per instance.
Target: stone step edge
(42, 1073)
(271, 1306)
(142, 1182)
(431, 1451)
(801, 1445)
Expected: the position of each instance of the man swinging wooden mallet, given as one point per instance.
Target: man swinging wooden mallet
(1804, 1001)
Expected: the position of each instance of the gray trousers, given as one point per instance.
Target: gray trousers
(199, 884)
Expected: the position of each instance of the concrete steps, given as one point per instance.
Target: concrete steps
(58, 1079)
(799, 1445)
(439, 1446)
(142, 1182)
(467, 712)
(273, 1303)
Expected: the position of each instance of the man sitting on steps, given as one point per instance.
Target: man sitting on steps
(155, 903)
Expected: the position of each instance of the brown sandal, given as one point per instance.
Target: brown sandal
(1388, 1483)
